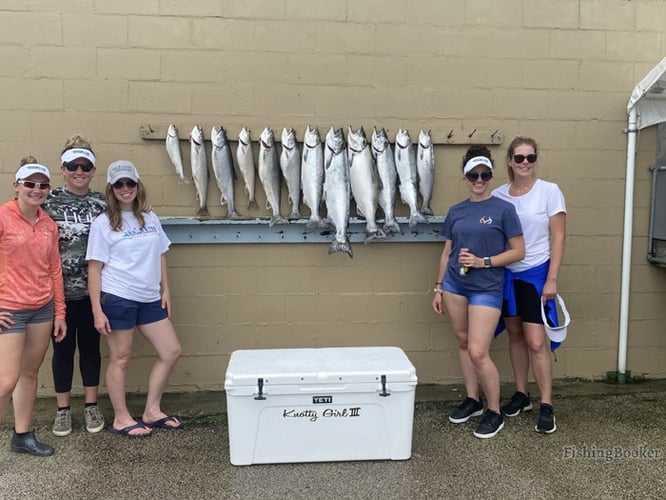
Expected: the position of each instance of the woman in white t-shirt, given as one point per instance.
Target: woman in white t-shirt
(541, 208)
(128, 288)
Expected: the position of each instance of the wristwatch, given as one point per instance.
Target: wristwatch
(487, 262)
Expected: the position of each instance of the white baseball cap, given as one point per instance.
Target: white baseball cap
(121, 169)
(556, 333)
(30, 169)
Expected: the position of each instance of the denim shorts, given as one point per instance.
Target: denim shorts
(124, 314)
(22, 319)
(490, 299)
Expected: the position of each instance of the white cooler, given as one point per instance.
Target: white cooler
(316, 405)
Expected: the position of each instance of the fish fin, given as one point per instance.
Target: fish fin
(426, 210)
(252, 204)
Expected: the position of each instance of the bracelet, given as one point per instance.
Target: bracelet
(438, 290)
(438, 283)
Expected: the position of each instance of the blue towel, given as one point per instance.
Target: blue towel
(535, 276)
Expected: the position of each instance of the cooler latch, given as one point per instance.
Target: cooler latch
(260, 387)
(384, 393)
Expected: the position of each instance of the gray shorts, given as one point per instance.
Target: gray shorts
(22, 319)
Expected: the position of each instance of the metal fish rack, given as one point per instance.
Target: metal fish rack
(188, 230)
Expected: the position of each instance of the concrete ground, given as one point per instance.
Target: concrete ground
(610, 444)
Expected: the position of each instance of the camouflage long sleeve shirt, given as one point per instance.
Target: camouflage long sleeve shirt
(73, 214)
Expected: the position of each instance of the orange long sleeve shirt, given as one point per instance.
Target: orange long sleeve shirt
(30, 267)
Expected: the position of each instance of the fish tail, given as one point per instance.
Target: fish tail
(392, 227)
(340, 246)
(316, 223)
(374, 236)
(277, 219)
(416, 218)
(252, 204)
(426, 210)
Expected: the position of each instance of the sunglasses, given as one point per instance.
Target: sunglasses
(521, 158)
(474, 176)
(73, 167)
(32, 185)
(121, 184)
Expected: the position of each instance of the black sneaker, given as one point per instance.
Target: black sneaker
(519, 402)
(467, 409)
(491, 423)
(546, 422)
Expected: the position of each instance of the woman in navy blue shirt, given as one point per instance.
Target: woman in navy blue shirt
(483, 234)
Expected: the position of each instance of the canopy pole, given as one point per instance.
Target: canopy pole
(632, 131)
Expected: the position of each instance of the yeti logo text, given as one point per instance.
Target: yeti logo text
(322, 400)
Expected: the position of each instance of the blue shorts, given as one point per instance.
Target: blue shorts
(490, 299)
(124, 314)
(24, 318)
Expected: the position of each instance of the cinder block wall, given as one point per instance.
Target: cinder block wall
(561, 72)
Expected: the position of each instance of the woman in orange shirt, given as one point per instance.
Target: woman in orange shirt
(32, 299)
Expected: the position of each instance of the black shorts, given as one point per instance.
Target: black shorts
(528, 303)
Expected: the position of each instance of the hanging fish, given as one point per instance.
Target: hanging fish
(199, 168)
(245, 160)
(223, 169)
(425, 168)
(173, 150)
(290, 164)
(312, 176)
(388, 176)
(269, 175)
(337, 191)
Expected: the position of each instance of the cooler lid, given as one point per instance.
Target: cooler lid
(318, 365)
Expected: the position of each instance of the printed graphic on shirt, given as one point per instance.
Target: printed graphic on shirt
(138, 232)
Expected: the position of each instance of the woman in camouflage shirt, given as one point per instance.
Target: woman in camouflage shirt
(73, 207)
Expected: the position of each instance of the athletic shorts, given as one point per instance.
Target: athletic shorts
(528, 302)
(124, 314)
(490, 299)
(23, 318)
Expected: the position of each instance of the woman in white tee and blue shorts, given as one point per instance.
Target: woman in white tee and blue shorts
(128, 288)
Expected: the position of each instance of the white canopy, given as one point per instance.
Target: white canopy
(646, 107)
(649, 97)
